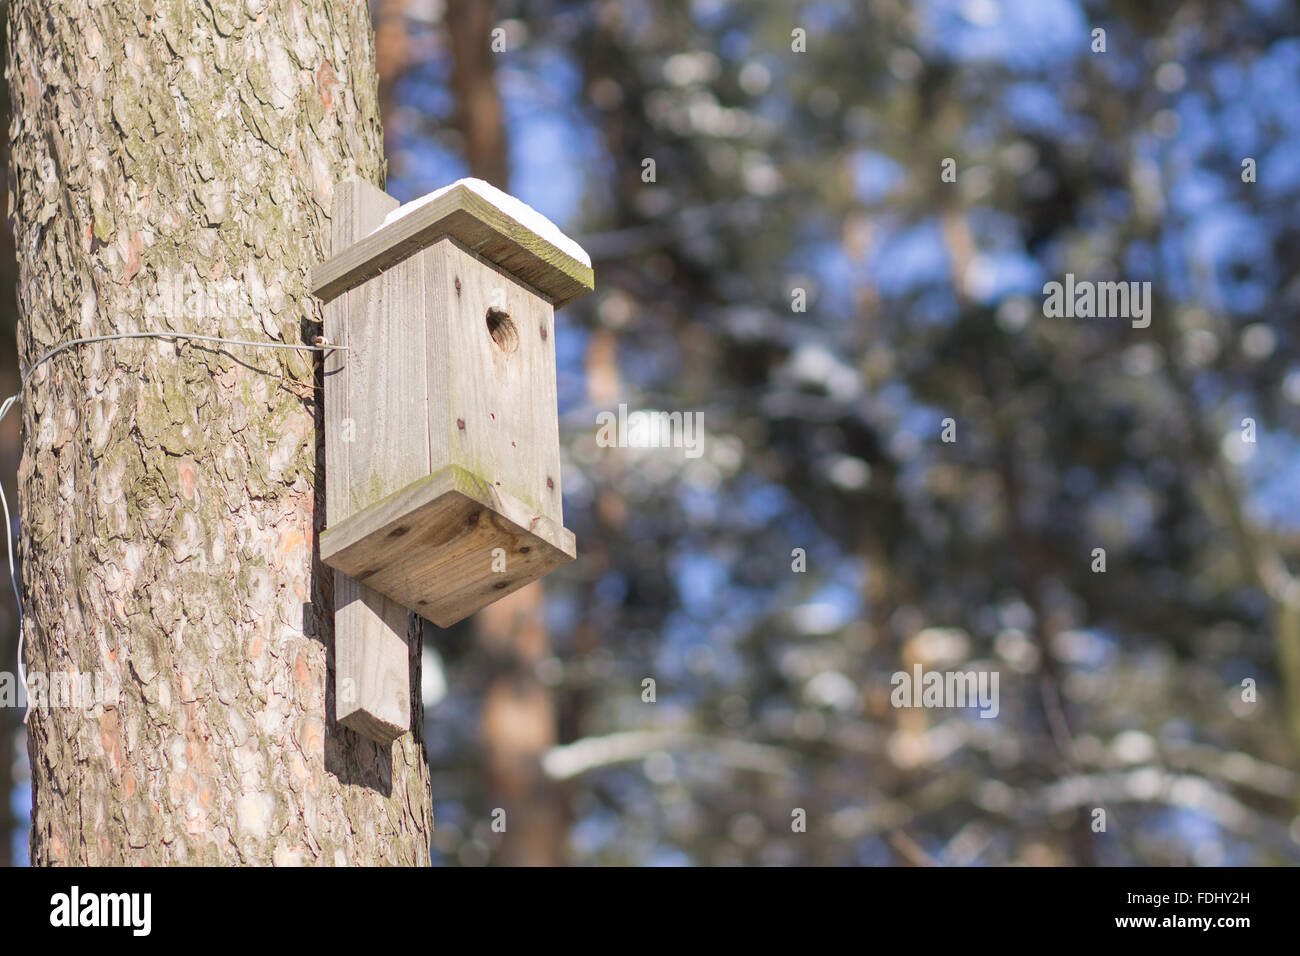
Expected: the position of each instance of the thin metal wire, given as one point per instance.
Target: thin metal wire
(176, 335)
(9, 402)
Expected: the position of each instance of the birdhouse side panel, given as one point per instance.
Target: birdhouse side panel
(337, 469)
(386, 432)
(357, 208)
(492, 393)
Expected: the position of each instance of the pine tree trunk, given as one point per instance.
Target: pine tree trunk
(171, 494)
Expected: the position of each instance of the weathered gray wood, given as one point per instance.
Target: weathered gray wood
(372, 687)
(371, 663)
(386, 386)
(492, 411)
(358, 207)
(478, 225)
(446, 496)
(432, 545)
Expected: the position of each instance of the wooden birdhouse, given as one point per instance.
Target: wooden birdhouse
(442, 451)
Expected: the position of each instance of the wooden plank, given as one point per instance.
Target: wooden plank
(335, 327)
(358, 207)
(431, 545)
(372, 687)
(371, 663)
(376, 523)
(479, 225)
(387, 386)
(492, 409)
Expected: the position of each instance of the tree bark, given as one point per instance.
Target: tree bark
(171, 493)
(9, 456)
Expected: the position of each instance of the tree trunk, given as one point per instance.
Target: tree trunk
(518, 727)
(174, 164)
(518, 720)
(473, 84)
(9, 456)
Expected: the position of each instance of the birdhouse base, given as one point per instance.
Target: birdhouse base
(433, 546)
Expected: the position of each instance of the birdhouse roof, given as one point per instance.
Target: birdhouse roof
(493, 225)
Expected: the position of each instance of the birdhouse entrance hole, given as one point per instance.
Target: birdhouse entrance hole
(502, 329)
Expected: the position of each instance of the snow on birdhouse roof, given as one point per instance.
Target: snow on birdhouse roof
(516, 209)
(489, 223)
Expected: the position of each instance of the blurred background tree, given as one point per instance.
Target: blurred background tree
(798, 152)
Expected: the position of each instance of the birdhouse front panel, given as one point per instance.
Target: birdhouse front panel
(492, 400)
